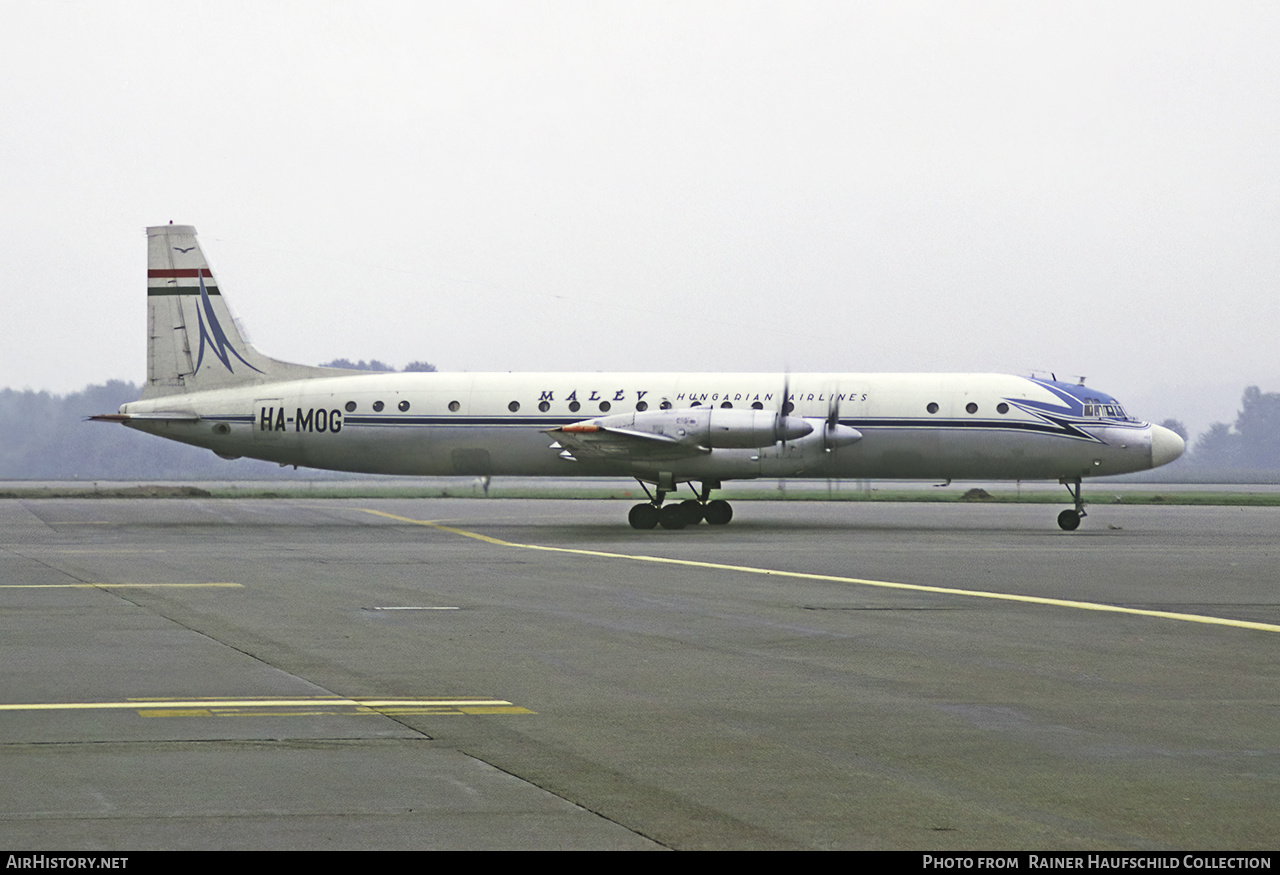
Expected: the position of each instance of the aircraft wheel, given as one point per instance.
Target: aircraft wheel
(643, 516)
(671, 516)
(718, 512)
(692, 512)
(1069, 520)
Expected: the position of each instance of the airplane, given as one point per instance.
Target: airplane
(208, 387)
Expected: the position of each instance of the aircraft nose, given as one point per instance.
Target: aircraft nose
(1165, 446)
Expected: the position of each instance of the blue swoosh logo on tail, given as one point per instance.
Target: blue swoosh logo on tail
(213, 334)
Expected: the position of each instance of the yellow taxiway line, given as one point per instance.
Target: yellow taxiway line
(398, 706)
(884, 584)
(115, 585)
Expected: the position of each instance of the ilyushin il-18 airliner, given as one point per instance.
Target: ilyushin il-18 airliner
(206, 386)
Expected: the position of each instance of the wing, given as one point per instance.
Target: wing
(594, 441)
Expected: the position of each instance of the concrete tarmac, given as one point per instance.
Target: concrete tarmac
(535, 674)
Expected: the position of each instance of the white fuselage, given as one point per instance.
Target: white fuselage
(943, 426)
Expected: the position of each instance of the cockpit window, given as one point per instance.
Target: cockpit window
(1096, 407)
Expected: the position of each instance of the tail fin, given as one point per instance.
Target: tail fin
(193, 343)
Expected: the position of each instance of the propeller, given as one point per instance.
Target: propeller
(833, 433)
(833, 421)
(785, 426)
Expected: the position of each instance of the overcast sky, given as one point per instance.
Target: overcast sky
(1085, 188)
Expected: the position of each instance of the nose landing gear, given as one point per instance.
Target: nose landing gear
(1069, 520)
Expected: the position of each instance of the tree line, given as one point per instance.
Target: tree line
(1252, 444)
(375, 365)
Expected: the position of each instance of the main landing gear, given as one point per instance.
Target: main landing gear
(1069, 520)
(678, 515)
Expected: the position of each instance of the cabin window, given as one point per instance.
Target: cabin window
(971, 407)
(454, 406)
(933, 407)
(404, 405)
(756, 405)
(574, 406)
(665, 405)
(604, 406)
(513, 406)
(544, 406)
(726, 404)
(642, 406)
(787, 408)
(377, 406)
(351, 406)
(1002, 408)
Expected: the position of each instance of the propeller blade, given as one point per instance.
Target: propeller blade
(779, 426)
(833, 421)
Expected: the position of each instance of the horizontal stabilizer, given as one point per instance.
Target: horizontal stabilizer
(145, 417)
